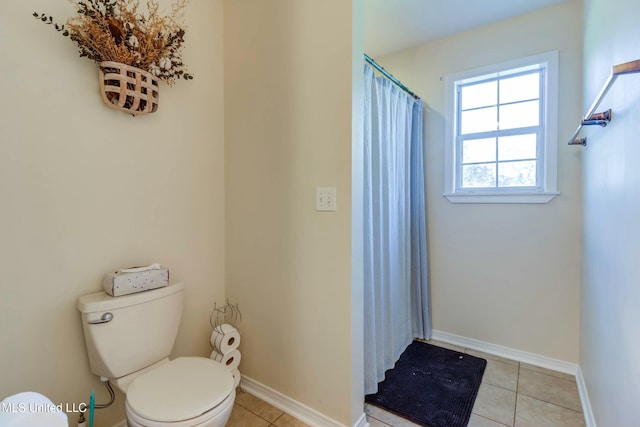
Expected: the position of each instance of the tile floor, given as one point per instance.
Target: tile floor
(249, 411)
(512, 394)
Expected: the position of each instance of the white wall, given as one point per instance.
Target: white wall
(609, 345)
(85, 189)
(288, 130)
(504, 274)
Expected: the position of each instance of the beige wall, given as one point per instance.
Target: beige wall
(609, 346)
(85, 189)
(357, 215)
(504, 274)
(288, 124)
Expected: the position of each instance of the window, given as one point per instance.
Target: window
(501, 142)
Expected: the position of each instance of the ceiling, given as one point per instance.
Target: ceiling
(393, 25)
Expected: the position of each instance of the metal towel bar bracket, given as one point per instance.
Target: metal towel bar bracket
(602, 119)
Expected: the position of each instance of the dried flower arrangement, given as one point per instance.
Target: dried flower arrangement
(133, 49)
(116, 30)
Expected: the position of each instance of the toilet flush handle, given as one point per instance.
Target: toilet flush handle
(107, 317)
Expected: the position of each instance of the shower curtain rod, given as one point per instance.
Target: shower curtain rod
(389, 76)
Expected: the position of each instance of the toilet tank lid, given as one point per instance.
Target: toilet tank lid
(101, 301)
(184, 388)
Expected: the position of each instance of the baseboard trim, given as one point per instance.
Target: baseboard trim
(362, 421)
(587, 410)
(507, 352)
(292, 407)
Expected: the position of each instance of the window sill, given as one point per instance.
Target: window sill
(539, 197)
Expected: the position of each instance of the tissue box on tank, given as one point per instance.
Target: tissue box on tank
(121, 283)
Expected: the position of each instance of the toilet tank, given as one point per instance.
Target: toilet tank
(141, 330)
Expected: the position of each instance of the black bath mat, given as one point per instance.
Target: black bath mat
(431, 386)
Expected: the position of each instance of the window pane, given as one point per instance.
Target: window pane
(520, 115)
(517, 147)
(479, 95)
(520, 88)
(479, 150)
(478, 176)
(517, 174)
(480, 120)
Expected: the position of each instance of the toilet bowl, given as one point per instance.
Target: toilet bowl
(186, 392)
(129, 339)
(30, 409)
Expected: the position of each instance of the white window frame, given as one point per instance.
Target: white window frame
(548, 151)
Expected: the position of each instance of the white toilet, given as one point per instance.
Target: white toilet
(129, 339)
(30, 409)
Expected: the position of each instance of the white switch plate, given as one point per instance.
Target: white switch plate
(326, 199)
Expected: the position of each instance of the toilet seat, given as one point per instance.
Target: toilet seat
(217, 417)
(183, 389)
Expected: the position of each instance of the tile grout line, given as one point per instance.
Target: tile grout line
(517, 364)
(548, 374)
(380, 421)
(553, 404)
(271, 423)
(466, 351)
(492, 421)
(581, 411)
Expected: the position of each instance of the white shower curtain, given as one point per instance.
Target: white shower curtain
(396, 294)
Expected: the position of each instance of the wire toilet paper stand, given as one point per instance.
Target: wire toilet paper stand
(227, 314)
(225, 338)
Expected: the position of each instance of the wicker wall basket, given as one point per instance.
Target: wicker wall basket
(128, 88)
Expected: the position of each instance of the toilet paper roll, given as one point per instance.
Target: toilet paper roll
(225, 338)
(230, 360)
(236, 377)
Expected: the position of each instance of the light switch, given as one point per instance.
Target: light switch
(326, 199)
